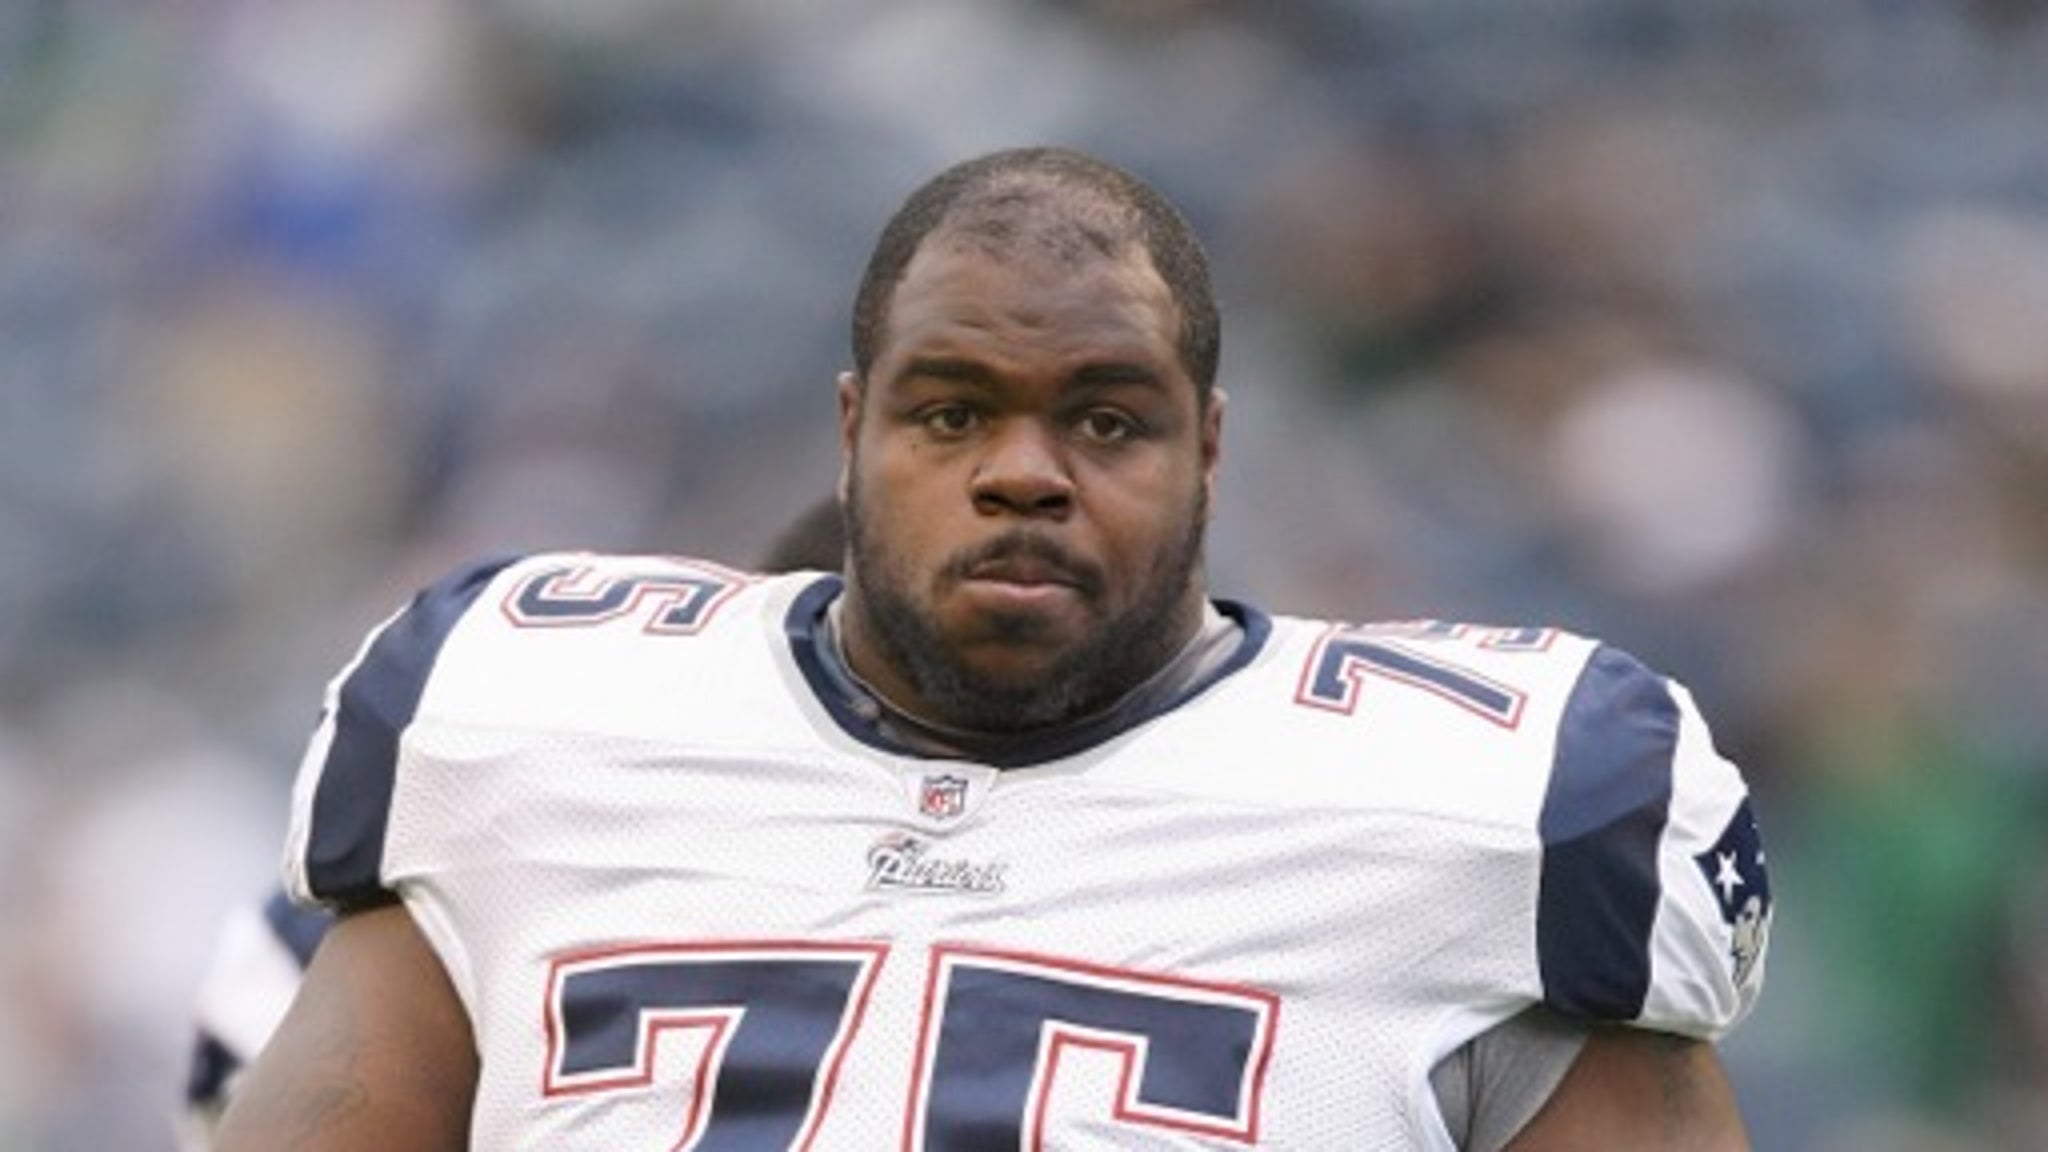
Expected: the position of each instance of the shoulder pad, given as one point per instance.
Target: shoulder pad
(343, 794)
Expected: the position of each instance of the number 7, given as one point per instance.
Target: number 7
(774, 1021)
(1332, 674)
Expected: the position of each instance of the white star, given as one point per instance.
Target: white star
(1728, 879)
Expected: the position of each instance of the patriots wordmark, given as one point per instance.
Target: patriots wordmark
(905, 863)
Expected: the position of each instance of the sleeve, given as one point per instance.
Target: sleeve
(341, 800)
(1653, 901)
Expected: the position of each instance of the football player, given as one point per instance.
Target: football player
(1011, 836)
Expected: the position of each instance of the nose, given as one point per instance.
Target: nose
(1024, 472)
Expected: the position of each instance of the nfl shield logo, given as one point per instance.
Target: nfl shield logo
(942, 797)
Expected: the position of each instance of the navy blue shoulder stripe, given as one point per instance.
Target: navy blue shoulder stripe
(345, 849)
(1603, 816)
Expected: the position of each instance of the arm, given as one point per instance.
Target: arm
(1652, 857)
(376, 1052)
(1631, 1088)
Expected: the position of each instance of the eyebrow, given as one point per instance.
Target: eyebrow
(1112, 373)
(1096, 374)
(948, 368)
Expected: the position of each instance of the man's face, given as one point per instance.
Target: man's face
(1026, 473)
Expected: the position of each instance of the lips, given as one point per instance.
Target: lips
(1024, 561)
(1022, 570)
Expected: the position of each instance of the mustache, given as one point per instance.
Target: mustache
(1026, 546)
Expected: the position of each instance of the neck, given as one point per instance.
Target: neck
(986, 673)
(1211, 639)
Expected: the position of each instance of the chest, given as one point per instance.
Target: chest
(813, 951)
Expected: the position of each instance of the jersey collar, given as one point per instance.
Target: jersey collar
(856, 711)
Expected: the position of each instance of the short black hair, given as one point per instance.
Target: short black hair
(1062, 203)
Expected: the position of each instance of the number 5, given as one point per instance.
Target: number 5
(1193, 1056)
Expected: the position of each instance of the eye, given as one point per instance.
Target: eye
(1108, 426)
(949, 421)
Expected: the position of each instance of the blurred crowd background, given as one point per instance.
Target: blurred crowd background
(1717, 329)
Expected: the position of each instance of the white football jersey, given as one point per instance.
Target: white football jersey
(691, 900)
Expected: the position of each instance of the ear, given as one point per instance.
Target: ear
(1212, 441)
(850, 392)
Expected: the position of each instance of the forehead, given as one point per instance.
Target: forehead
(964, 294)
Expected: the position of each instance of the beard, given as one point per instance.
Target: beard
(1119, 652)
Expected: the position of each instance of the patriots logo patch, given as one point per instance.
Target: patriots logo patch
(1734, 870)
